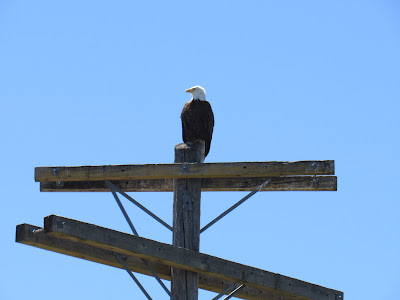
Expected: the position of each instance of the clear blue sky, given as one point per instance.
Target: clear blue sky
(95, 82)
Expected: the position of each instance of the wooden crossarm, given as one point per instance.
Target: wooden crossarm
(185, 170)
(284, 183)
(35, 236)
(127, 244)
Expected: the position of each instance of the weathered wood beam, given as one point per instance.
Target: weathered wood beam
(284, 183)
(35, 236)
(185, 170)
(186, 220)
(127, 244)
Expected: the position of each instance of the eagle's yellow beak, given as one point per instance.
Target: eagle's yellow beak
(189, 90)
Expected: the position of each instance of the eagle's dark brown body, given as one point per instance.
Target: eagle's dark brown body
(197, 122)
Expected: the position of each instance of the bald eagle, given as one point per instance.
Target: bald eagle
(197, 118)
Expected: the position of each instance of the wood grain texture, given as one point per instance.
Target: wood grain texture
(284, 183)
(127, 244)
(184, 170)
(35, 236)
(186, 220)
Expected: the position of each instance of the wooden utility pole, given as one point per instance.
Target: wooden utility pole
(182, 263)
(186, 220)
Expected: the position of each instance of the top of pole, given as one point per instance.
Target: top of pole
(190, 152)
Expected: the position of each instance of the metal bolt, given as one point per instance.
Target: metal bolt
(60, 224)
(55, 171)
(315, 180)
(185, 168)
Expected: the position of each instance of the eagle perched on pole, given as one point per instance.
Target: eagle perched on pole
(197, 118)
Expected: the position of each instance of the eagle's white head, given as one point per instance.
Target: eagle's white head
(198, 93)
